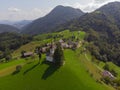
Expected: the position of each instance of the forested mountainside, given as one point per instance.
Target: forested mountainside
(10, 41)
(103, 28)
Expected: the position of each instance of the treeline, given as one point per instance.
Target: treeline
(10, 42)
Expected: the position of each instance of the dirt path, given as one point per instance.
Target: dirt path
(93, 63)
(7, 71)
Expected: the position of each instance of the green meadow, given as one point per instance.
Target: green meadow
(45, 76)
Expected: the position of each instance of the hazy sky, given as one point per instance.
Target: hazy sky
(32, 9)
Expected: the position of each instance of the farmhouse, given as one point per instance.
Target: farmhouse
(64, 45)
(61, 41)
(78, 44)
(27, 54)
(107, 74)
(43, 49)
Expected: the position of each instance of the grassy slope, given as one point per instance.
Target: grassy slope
(7, 68)
(36, 76)
(11, 63)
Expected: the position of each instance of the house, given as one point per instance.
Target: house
(52, 50)
(49, 57)
(50, 53)
(43, 49)
(64, 45)
(27, 54)
(78, 44)
(61, 41)
(70, 42)
(107, 74)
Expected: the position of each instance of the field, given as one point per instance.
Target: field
(42, 76)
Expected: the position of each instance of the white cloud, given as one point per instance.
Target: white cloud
(13, 9)
(93, 5)
(37, 10)
(20, 14)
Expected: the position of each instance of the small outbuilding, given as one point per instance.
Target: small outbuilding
(27, 54)
(107, 74)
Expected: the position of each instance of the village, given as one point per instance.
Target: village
(49, 50)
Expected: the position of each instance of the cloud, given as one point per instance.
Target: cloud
(23, 14)
(93, 5)
(13, 9)
(100, 1)
(37, 10)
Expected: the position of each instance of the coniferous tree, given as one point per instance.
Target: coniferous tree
(59, 55)
(7, 54)
(40, 56)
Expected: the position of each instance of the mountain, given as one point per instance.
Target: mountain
(100, 19)
(57, 16)
(8, 28)
(105, 20)
(17, 24)
(103, 29)
(113, 11)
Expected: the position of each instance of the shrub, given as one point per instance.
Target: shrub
(106, 80)
(58, 55)
(106, 67)
(18, 68)
(114, 72)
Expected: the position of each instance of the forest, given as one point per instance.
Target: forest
(11, 41)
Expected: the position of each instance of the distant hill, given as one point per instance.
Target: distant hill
(8, 28)
(17, 24)
(22, 24)
(59, 15)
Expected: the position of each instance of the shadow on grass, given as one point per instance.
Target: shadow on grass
(31, 68)
(15, 72)
(50, 70)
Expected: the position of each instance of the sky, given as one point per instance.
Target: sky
(15, 10)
